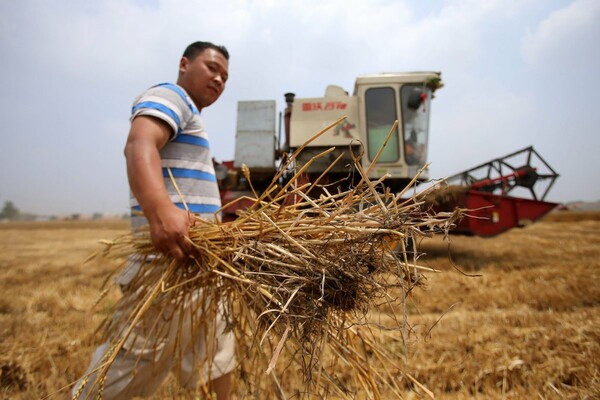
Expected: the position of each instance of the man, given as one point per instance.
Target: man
(167, 136)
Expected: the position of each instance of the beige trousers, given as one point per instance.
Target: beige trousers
(195, 356)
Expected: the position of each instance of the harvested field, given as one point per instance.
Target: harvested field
(527, 327)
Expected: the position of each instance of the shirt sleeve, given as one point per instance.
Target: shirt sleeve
(165, 103)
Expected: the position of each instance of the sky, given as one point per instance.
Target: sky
(516, 73)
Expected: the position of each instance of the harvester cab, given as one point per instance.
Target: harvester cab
(377, 103)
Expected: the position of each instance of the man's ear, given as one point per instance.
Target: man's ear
(183, 63)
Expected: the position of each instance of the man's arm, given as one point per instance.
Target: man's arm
(168, 224)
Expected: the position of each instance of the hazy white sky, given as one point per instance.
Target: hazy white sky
(517, 73)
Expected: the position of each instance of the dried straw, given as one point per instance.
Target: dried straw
(296, 283)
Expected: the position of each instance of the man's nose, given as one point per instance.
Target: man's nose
(219, 79)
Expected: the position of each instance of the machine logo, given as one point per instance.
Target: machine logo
(326, 106)
(345, 128)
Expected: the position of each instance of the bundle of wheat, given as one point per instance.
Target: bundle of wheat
(296, 279)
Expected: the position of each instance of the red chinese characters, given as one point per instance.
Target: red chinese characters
(325, 106)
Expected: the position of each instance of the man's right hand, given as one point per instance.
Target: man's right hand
(169, 229)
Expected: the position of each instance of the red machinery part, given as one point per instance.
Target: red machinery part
(491, 214)
(234, 200)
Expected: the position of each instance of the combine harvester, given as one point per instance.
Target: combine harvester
(378, 101)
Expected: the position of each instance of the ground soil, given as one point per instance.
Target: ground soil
(514, 316)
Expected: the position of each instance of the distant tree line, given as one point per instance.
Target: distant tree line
(11, 213)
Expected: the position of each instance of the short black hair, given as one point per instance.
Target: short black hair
(198, 47)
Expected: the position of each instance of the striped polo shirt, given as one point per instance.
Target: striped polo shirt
(187, 154)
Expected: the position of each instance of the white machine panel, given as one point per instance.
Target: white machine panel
(310, 116)
(255, 134)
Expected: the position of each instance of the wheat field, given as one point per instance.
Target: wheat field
(511, 317)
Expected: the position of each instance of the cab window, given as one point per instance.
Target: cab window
(381, 115)
(416, 101)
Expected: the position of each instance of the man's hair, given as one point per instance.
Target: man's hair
(198, 47)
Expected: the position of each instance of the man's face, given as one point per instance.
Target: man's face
(204, 77)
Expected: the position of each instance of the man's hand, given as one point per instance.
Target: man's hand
(169, 226)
